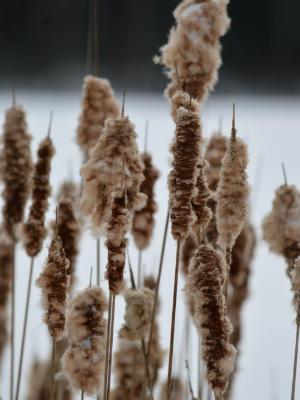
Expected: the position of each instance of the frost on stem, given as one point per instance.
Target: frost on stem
(143, 220)
(232, 194)
(182, 178)
(16, 168)
(205, 281)
(192, 55)
(53, 282)
(114, 162)
(83, 361)
(98, 103)
(34, 231)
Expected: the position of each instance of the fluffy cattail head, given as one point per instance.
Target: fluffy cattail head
(53, 282)
(17, 168)
(193, 49)
(68, 224)
(182, 178)
(214, 154)
(98, 103)
(233, 193)
(116, 242)
(296, 276)
(143, 220)
(138, 313)
(114, 162)
(205, 281)
(83, 361)
(34, 231)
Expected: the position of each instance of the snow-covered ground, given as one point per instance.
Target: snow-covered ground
(271, 127)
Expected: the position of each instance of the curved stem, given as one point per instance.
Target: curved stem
(25, 327)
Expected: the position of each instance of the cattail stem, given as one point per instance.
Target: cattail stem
(25, 327)
(98, 255)
(12, 322)
(111, 343)
(140, 269)
(82, 395)
(158, 282)
(199, 372)
(296, 353)
(107, 347)
(172, 334)
(52, 385)
(147, 370)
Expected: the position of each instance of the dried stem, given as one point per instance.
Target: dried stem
(111, 343)
(52, 385)
(107, 347)
(12, 322)
(171, 351)
(140, 269)
(296, 353)
(25, 327)
(98, 255)
(158, 282)
(82, 395)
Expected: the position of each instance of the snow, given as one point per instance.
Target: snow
(271, 127)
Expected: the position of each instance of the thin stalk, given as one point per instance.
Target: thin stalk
(82, 395)
(111, 343)
(98, 255)
(140, 268)
(107, 347)
(161, 261)
(12, 323)
(296, 353)
(189, 380)
(199, 372)
(172, 334)
(52, 385)
(25, 326)
(147, 370)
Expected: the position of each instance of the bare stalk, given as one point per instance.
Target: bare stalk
(25, 326)
(296, 353)
(140, 269)
(171, 351)
(82, 395)
(98, 261)
(12, 323)
(107, 347)
(111, 343)
(158, 282)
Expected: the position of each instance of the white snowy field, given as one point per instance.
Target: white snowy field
(271, 127)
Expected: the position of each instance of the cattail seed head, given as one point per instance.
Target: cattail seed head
(143, 220)
(205, 280)
(114, 162)
(192, 53)
(182, 178)
(53, 282)
(98, 103)
(137, 314)
(17, 168)
(214, 154)
(83, 361)
(34, 231)
(116, 242)
(232, 194)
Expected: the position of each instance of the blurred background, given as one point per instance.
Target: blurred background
(44, 57)
(44, 43)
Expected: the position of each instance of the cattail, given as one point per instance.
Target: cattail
(193, 49)
(5, 286)
(200, 200)
(233, 193)
(281, 227)
(17, 168)
(205, 280)
(188, 250)
(68, 224)
(177, 390)
(114, 162)
(182, 178)
(129, 358)
(143, 220)
(296, 277)
(34, 230)
(53, 282)
(98, 104)
(137, 314)
(83, 361)
(116, 242)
